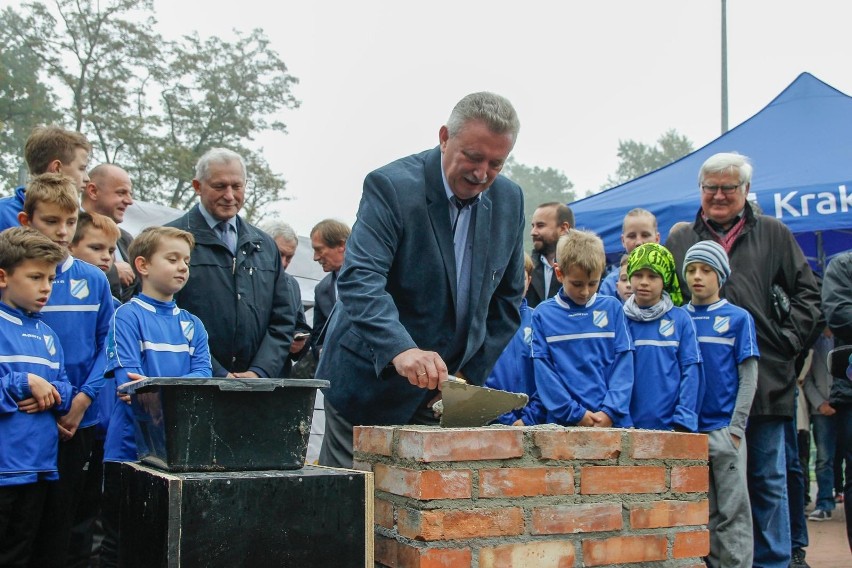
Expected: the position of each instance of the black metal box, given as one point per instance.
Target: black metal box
(223, 424)
(315, 516)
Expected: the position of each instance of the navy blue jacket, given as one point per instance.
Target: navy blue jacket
(245, 301)
(397, 289)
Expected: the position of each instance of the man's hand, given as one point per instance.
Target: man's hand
(71, 421)
(246, 375)
(736, 441)
(297, 345)
(601, 419)
(125, 273)
(423, 369)
(826, 409)
(44, 395)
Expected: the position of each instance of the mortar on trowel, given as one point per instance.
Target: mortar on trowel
(465, 406)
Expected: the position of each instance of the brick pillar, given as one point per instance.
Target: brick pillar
(540, 496)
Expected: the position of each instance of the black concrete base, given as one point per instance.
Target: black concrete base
(307, 517)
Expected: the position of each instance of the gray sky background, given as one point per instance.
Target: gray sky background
(378, 78)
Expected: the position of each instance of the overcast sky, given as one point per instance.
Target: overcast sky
(378, 78)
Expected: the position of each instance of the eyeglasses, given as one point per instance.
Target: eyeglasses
(726, 189)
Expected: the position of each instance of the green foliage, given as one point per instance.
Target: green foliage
(638, 158)
(25, 101)
(539, 186)
(154, 106)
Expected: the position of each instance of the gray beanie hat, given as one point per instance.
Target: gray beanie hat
(712, 254)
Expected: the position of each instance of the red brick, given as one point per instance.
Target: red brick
(650, 444)
(362, 465)
(449, 524)
(424, 485)
(383, 513)
(460, 444)
(525, 482)
(658, 514)
(540, 554)
(394, 554)
(604, 479)
(691, 544)
(624, 549)
(567, 519)
(691, 479)
(578, 444)
(373, 440)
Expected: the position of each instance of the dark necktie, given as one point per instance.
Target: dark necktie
(227, 235)
(461, 204)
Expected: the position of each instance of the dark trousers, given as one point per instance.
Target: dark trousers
(87, 522)
(804, 443)
(110, 513)
(844, 439)
(795, 489)
(20, 513)
(63, 497)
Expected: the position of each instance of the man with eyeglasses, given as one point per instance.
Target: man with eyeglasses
(762, 253)
(236, 285)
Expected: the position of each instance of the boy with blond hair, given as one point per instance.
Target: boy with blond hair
(32, 381)
(49, 149)
(728, 344)
(151, 337)
(639, 227)
(79, 311)
(581, 349)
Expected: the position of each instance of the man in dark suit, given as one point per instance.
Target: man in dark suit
(550, 221)
(328, 239)
(236, 285)
(432, 279)
(110, 192)
(287, 242)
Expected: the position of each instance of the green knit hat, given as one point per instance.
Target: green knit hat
(657, 258)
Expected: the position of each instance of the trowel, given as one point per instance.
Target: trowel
(464, 406)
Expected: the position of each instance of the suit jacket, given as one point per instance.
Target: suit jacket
(123, 293)
(397, 289)
(324, 300)
(535, 293)
(244, 301)
(301, 324)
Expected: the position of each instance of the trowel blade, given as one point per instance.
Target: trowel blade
(470, 406)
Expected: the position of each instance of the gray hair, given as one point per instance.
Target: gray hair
(280, 229)
(727, 161)
(496, 111)
(217, 156)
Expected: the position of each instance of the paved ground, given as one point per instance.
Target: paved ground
(828, 545)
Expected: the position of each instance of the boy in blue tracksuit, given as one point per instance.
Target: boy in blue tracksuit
(667, 361)
(95, 241)
(79, 311)
(582, 352)
(513, 371)
(32, 382)
(152, 337)
(728, 344)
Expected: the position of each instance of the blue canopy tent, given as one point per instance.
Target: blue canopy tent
(801, 149)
